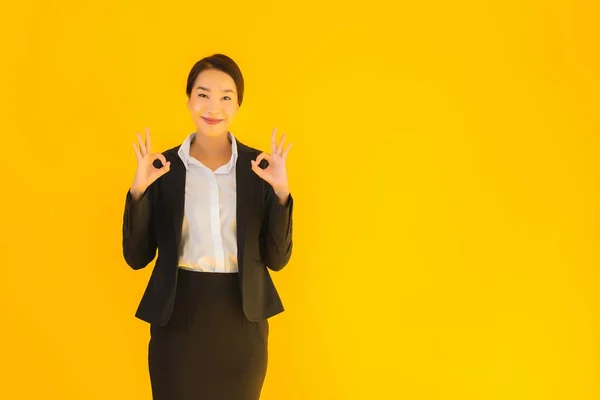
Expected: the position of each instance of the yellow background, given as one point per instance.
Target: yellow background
(444, 170)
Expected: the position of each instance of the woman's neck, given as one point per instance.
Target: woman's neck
(211, 145)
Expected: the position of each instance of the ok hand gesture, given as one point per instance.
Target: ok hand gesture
(146, 174)
(275, 174)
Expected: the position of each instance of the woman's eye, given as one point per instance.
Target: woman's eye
(227, 98)
(201, 94)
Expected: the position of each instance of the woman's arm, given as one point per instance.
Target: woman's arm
(276, 230)
(276, 234)
(139, 239)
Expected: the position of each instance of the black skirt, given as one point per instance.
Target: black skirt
(208, 350)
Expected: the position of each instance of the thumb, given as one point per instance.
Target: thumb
(258, 170)
(158, 172)
(158, 156)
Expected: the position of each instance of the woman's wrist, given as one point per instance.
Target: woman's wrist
(136, 193)
(282, 193)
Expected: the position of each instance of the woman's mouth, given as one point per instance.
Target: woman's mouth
(211, 121)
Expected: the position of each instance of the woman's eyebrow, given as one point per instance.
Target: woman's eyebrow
(208, 90)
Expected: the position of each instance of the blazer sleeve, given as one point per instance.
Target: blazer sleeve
(276, 234)
(139, 238)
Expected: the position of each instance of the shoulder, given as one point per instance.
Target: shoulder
(244, 148)
(171, 153)
(249, 152)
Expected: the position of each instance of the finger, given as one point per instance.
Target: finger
(159, 156)
(263, 156)
(161, 171)
(287, 150)
(280, 147)
(138, 155)
(142, 145)
(258, 170)
(273, 141)
(166, 168)
(148, 142)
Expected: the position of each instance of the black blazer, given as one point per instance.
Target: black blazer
(264, 238)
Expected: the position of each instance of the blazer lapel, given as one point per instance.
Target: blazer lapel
(244, 197)
(174, 193)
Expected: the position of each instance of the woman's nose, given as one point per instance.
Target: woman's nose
(213, 107)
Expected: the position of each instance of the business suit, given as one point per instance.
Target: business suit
(264, 240)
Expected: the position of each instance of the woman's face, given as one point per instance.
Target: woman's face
(213, 102)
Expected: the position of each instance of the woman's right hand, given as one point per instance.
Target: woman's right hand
(146, 173)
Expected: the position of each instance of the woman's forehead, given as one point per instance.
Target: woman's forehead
(215, 78)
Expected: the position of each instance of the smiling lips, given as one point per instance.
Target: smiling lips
(211, 121)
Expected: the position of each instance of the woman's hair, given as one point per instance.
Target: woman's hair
(222, 63)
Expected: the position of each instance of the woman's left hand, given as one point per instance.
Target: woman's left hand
(275, 174)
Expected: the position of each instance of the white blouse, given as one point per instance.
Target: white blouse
(208, 240)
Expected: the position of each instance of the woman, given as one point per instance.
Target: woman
(220, 215)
